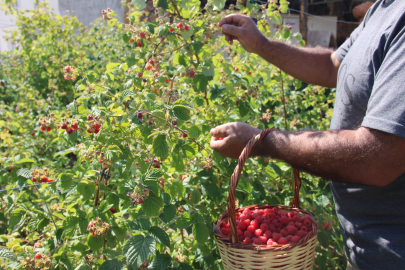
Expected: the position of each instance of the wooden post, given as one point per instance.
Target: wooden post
(304, 20)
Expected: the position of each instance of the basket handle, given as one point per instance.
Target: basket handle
(235, 180)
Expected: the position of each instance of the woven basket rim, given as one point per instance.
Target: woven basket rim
(226, 240)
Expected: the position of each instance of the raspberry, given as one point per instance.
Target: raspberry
(271, 216)
(284, 215)
(89, 117)
(261, 212)
(140, 75)
(304, 228)
(75, 126)
(139, 115)
(192, 73)
(275, 210)
(179, 25)
(257, 242)
(240, 238)
(242, 226)
(307, 223)
(247, 234)
(295, 239)
(112, 210)
(251, 229)
(275, 223)
(297, 219)
(237, 103)
(324, 225)
(247, 240)
(258, 232)
(264, 226)
(276, 236)
(270, 242)
(67, 77)
(240, 233)
(292, 223)
(184, 135)
(67, 68)
(282, 241)
(93, 234)
(33, 179)
(225, 231)
(284, 220)
(263, 239)
(167, 80)
(298, 224)
(96, 131)
(301, 233)
(236, 69)
(266, 221)
(292, 214)
(44, 179)
(289, 27)
(171, 30)
(268, 234)
(156, 166)
(259, 218)
(267, 211)
(48, 129)
(32, 134)
(289, 237)
(186, 27)
(284, 233)
(63, 126)
(43, 128)
(38, 256)
(255, 223)
(272, 227)
(291, 229)
(139, 45)
(151, 62)
(250, 72)
(329, 227)
(174, 123)
(142, 35)
(89, 131)
(91, 225)
(69, 131)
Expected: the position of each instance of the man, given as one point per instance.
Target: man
(364, 152)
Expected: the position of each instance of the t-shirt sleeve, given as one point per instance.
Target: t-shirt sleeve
(344, 48)
(386, 106)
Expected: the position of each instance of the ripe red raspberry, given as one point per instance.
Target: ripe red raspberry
(329, 227)
(156, 166)
(94, 235)
(179, 25)
(237, 103)
(247, 234)
(186, 27)
(263, 239)
(67, 68)
(284, 220)
(324, 225)
(63, 126)
(242, 226)
(151, 62)
(67, 77)
(148, 67)
(251, 229)
(272, 228)
(289, 27)
(225, 231)
(167, 80)
(96, 131)
(258, 232)
(48, 129)
(33, 179)
(44, 179)
(192, 73)
(276, 236)
(91, 225)
(282, 241)
(140, 201)
(264, 118)
(275, 222)
(89, 131)
(295, 239)
(247, 240)
(255, 223)
(298, 224)
(301, 233)
(184, 135)
(171, 30)
(289, 237)
(292, 223)
(43, 128)
(284, 233)
(75, 126)
(270, 242)
(38, 256)
(264, 227)
(307, 223)
(291, 229)
(89, 117)
(304, 228)
(271, 216)
(250, 72)
(296, 219)
(140, 75)
(257, 241)
(139, 45)
(247, 222)
(292, 214)
(139, 115)
(69, 131)
(112, 210)
(236, 69)
(142, 35)
(275, 210)
(32, 134)
(268, 234)
(239, 232)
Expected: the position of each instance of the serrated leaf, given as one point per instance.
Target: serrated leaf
(195, 196)
(138, 248)
(200, 83)
(161, 262)
(169, 212)
(152, 205)
(180, 112)
(160, 235)
(16, 220)
(128, 93)
(111, 265)
(126, 37)
(177, 159)
(83, 266)
(70, 222)
(26, 173)
(184, 221)
(153, 175)
(95, 243)
(194, 132)
(201, 233)
(160, 147)
(7, 254)
(140, 224)
(86, 189)
(26, 160)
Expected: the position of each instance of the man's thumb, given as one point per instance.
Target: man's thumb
(231, 30)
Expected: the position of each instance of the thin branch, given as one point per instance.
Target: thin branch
(176, 9)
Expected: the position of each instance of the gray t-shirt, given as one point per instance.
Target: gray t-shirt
(371, 93)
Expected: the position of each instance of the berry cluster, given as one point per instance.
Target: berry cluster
(94, 124)
(326, 225)
(269, 227)
(46, 122)
(38, 262)
(156, 163)
(70, 73)
(138, 196)
(42, 176)
(98, 227)
(107, 14)
(68, 125)
(266, 116)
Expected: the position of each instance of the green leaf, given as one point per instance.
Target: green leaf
(140, 224)
(323, 201)
(243, 108)
(163, 4)
(70, 222)
(153, 175)
(126, 37)
(218, 4)
(194, 132)
(111, 265)
(177, 159)
(138, 248)
(160, 235)
(200, 83)
(83, 266)
(86, 189)
(169, 212)
(111, 67)
(160, 147)
(152, 205)
(196, 196)
(200, 232)
(26, 160)
(7, 254)
(180, 112)
(95, 243)
(161, 262)
(16, 220)
(184, 221)
(244, 186)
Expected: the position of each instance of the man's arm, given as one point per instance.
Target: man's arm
(312, 65)
(363, 156)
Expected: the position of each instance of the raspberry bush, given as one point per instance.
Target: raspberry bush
(105, 138)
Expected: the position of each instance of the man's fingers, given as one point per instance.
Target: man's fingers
(231, 30)
(219, 132)
(216, 144)
(235, 19)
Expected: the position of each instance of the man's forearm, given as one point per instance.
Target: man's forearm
(358, 156)
(311, 65)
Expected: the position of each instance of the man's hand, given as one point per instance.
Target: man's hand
(242, 28)
(235, 135)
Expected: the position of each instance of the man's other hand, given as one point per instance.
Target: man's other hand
(230, 139)
(243, 29)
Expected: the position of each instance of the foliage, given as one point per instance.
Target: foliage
(143, 188)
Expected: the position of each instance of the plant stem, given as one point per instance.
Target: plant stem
(176, 9)
(49, 211)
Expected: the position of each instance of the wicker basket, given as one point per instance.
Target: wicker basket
(236, 255)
